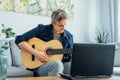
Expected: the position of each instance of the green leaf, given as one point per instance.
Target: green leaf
(8, 31)
(102, 36)
(0, 1)
(5, 47)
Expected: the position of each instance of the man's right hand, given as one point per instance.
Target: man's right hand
(42, 56)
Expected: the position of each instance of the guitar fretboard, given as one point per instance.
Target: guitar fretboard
(58, 51)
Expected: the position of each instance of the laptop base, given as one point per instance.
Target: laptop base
(69, 77)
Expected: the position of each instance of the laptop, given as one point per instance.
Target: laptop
(92, 60)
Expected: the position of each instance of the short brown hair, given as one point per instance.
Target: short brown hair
(58, 15)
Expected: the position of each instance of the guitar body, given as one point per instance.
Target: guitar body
(30, 61)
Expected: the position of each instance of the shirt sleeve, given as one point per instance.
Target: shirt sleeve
(26, 36)
(70, 42)
(67, 57)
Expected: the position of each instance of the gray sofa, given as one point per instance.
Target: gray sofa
(16, 69)
(116, 69)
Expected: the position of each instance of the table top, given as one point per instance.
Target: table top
(37, 78)
(60, 78)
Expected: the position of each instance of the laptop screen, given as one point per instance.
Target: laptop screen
(92, 59)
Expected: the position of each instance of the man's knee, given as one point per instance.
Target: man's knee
(57, 64)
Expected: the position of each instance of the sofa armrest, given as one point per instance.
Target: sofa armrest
(15, 51)
(117, 55)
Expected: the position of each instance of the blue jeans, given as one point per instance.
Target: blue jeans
(67, 67)
(52, 68)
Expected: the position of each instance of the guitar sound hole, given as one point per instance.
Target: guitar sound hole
(49, 51)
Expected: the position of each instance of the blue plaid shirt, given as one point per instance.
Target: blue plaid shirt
(44, 32)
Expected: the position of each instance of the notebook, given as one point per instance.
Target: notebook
(92, 60)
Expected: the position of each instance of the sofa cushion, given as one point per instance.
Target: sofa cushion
(18, 72)
(15, 51)
(117, 55)
(116, 71)
(7, 53)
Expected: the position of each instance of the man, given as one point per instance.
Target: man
(55, 30)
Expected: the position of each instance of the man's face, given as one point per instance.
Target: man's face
(59, 27)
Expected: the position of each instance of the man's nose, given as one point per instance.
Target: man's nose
(62, 26)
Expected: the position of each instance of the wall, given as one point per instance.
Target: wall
(86, 17)
(119, 20)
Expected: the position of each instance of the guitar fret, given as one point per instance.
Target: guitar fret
(59, 51)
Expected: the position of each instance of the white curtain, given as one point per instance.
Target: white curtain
(119, 21)
(113, 16)
(105, 15)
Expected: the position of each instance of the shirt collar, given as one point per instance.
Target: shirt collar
(64, 34)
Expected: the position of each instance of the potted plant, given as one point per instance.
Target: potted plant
(5, 45)
(102, 35)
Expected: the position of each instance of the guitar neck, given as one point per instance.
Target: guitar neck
(58, 51)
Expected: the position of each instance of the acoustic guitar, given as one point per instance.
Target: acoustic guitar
(53, 48)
